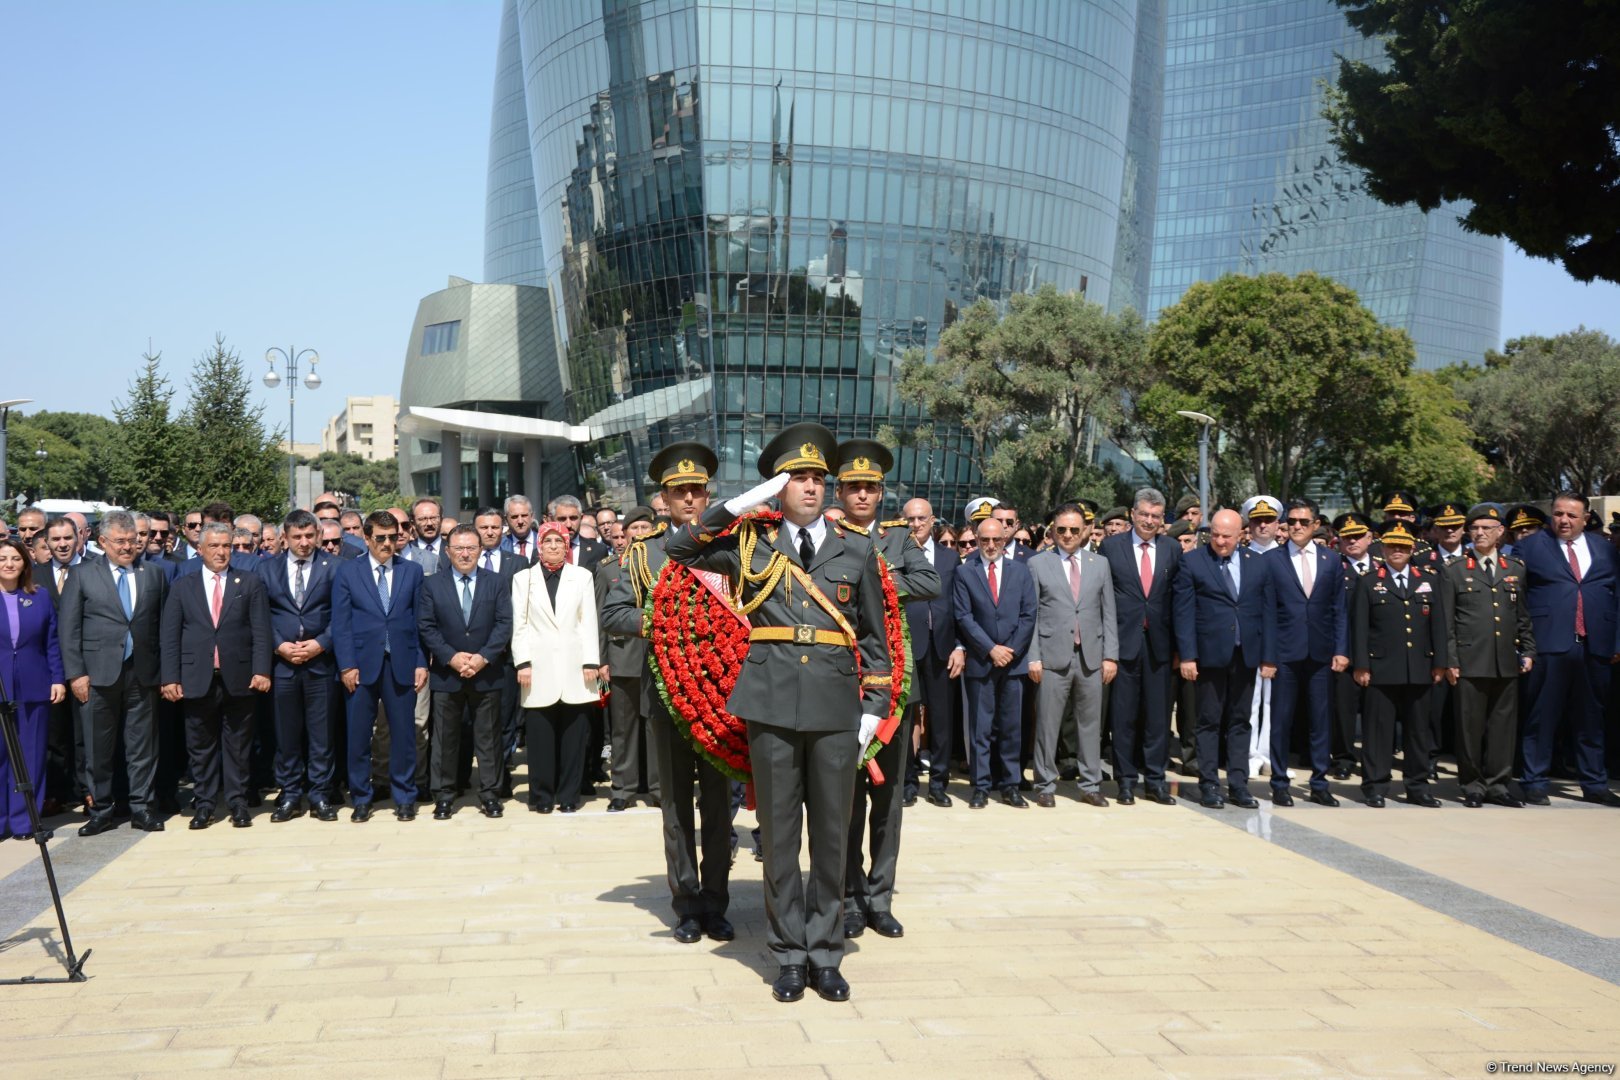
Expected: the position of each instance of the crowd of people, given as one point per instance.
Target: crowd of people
(413, 656)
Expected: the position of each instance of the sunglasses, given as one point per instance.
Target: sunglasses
(1297, 522)
(948, 543)
(193, 524)
(1067, 530)
(333, 543)
(389, 536)
(969, 544)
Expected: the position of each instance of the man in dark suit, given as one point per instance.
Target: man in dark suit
(995, 605)
(1143, 565)
(1007, 514)
(464, 620)
(1218, 613)
(380, 660)
(519, 539)
(298, 585)
(1306, 639)
(1571, 585)
(582, 551)
(935, 695)
(109, 628)
(216, 656)
(495, 557)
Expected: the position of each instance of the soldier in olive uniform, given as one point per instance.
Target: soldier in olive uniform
(1398, 650)
(1490, 643)
(868, 896)
(812, 691)
(625, 656)
(1349, 700)
(700, 890)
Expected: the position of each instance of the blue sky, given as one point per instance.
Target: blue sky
(289, 173)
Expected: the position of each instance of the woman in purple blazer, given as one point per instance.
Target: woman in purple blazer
(31, 671)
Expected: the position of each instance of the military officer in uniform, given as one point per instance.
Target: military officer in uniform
(626, 655)
(869, 894)
(1398, 649)
(1402, 506)
(1526, 520)
(1356, 535)
(812, 691)
(700, 890)
(1490, 643)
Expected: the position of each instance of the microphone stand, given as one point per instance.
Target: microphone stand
(42, 836)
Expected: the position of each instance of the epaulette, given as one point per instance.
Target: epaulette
(895, 524)
(845, 523)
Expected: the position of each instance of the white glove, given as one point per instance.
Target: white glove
(771, 488)
(869, 726)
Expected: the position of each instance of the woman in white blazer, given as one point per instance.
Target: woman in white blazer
(554, 646)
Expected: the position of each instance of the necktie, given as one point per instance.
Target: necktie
(1074, 589)
(217, 603)
(1361, 569)
(129, 608)
(1580, 601)
(995, 593)
(1147, 569)
(1490, 571)
(807, 548)
(1231, 582)
(466, 599)
(298, 584)
(1307, 572)
(382, 588)
(488, 561)
(1400, 584)
(520, 545)
(61, 577)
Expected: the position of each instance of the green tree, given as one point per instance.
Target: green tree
(352, 474)
(1034, 389)
(1544, 410)
(149, 470)
(1425, 445)
(229, 454)
(1508, 105)
(78, 446)
(1286, 365)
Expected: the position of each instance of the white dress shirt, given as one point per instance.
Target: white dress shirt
(134, 590)
(1136, 551)
(292, 573)
(1583, 554)
(817, 530)
(1309, 551)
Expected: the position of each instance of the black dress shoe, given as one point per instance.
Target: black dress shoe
(1473, 800)
(1504, 799)
(1537, 798)
(540, 808)
(568, 808)
(689, 930)
(978, 800)
(1162, 796)
(201, 820)
(490, 808)
(885, 924)
(1601, 798)
(1212, 801)
(1281, 798)
(617, 806)
(443, 810)
(98, 824)
(1341, 772)
(241, 818)
(789, 984)
(146, 821)
(1011, 797)
(405, 811)
(1242, 799)
(719, 928)
(1093, 798)
(1046, 799)
(286, 811)
(1375, 801)
(829, 984)
(1322, 797)
(23, 836)
(361, 812)
(938, 798)
(909, 799)
(1423, 798)
(1126, 796)
(324, 811)
(854, 924)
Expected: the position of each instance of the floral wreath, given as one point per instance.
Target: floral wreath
(699, 643)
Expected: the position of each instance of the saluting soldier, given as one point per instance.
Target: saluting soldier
(1490, 643)
(813, 689)
(869, 894)
(1398, 649)
(700, 890)
(1356, 535)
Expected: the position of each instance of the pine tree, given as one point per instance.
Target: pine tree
(148, 470)
(229, 455)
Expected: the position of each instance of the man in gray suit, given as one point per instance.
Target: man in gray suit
(1074, 653)
(109, 627)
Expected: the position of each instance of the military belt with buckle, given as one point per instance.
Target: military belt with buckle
(799, 634)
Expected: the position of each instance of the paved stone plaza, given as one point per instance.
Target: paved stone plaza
(1139, 941)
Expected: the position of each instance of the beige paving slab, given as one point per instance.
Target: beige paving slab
(1128, 942)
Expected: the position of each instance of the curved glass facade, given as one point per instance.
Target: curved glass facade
(1249, 183)
(750, 210)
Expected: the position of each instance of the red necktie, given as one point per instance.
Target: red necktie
(1580, 601)
(1147, 570)
(219, 600)
(995, 594)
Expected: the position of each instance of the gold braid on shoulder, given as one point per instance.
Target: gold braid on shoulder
(765, 580)
(635, 561)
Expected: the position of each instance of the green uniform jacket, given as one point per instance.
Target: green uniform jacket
(1399, 640)
(787, 685)
(914, 577)
(1487, 625)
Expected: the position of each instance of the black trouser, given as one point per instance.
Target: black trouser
(303, 720)
(64, 753)
(122, 711)
(1349, 700)
(1407, 705)
(1185, 696)
(1487, 725)
(1142, 684)
(556, 738)
(1225, 698)
(933, 689)
(696, 888)
(873, 891)
(450, 708)
(219, 739)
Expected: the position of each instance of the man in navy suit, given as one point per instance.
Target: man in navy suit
(995, 602)
(215, 659)
(1571, 586)
(464, 619)
(1306, 639)
(1218, 614)
(298, 584)
(380, 659)
(1143, 565)
(937, 658)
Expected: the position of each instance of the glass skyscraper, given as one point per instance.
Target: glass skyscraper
(746, 212)
(1248, 182)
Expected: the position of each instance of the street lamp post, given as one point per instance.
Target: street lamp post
(1203, 459)
(5, 418)
(313, 381)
